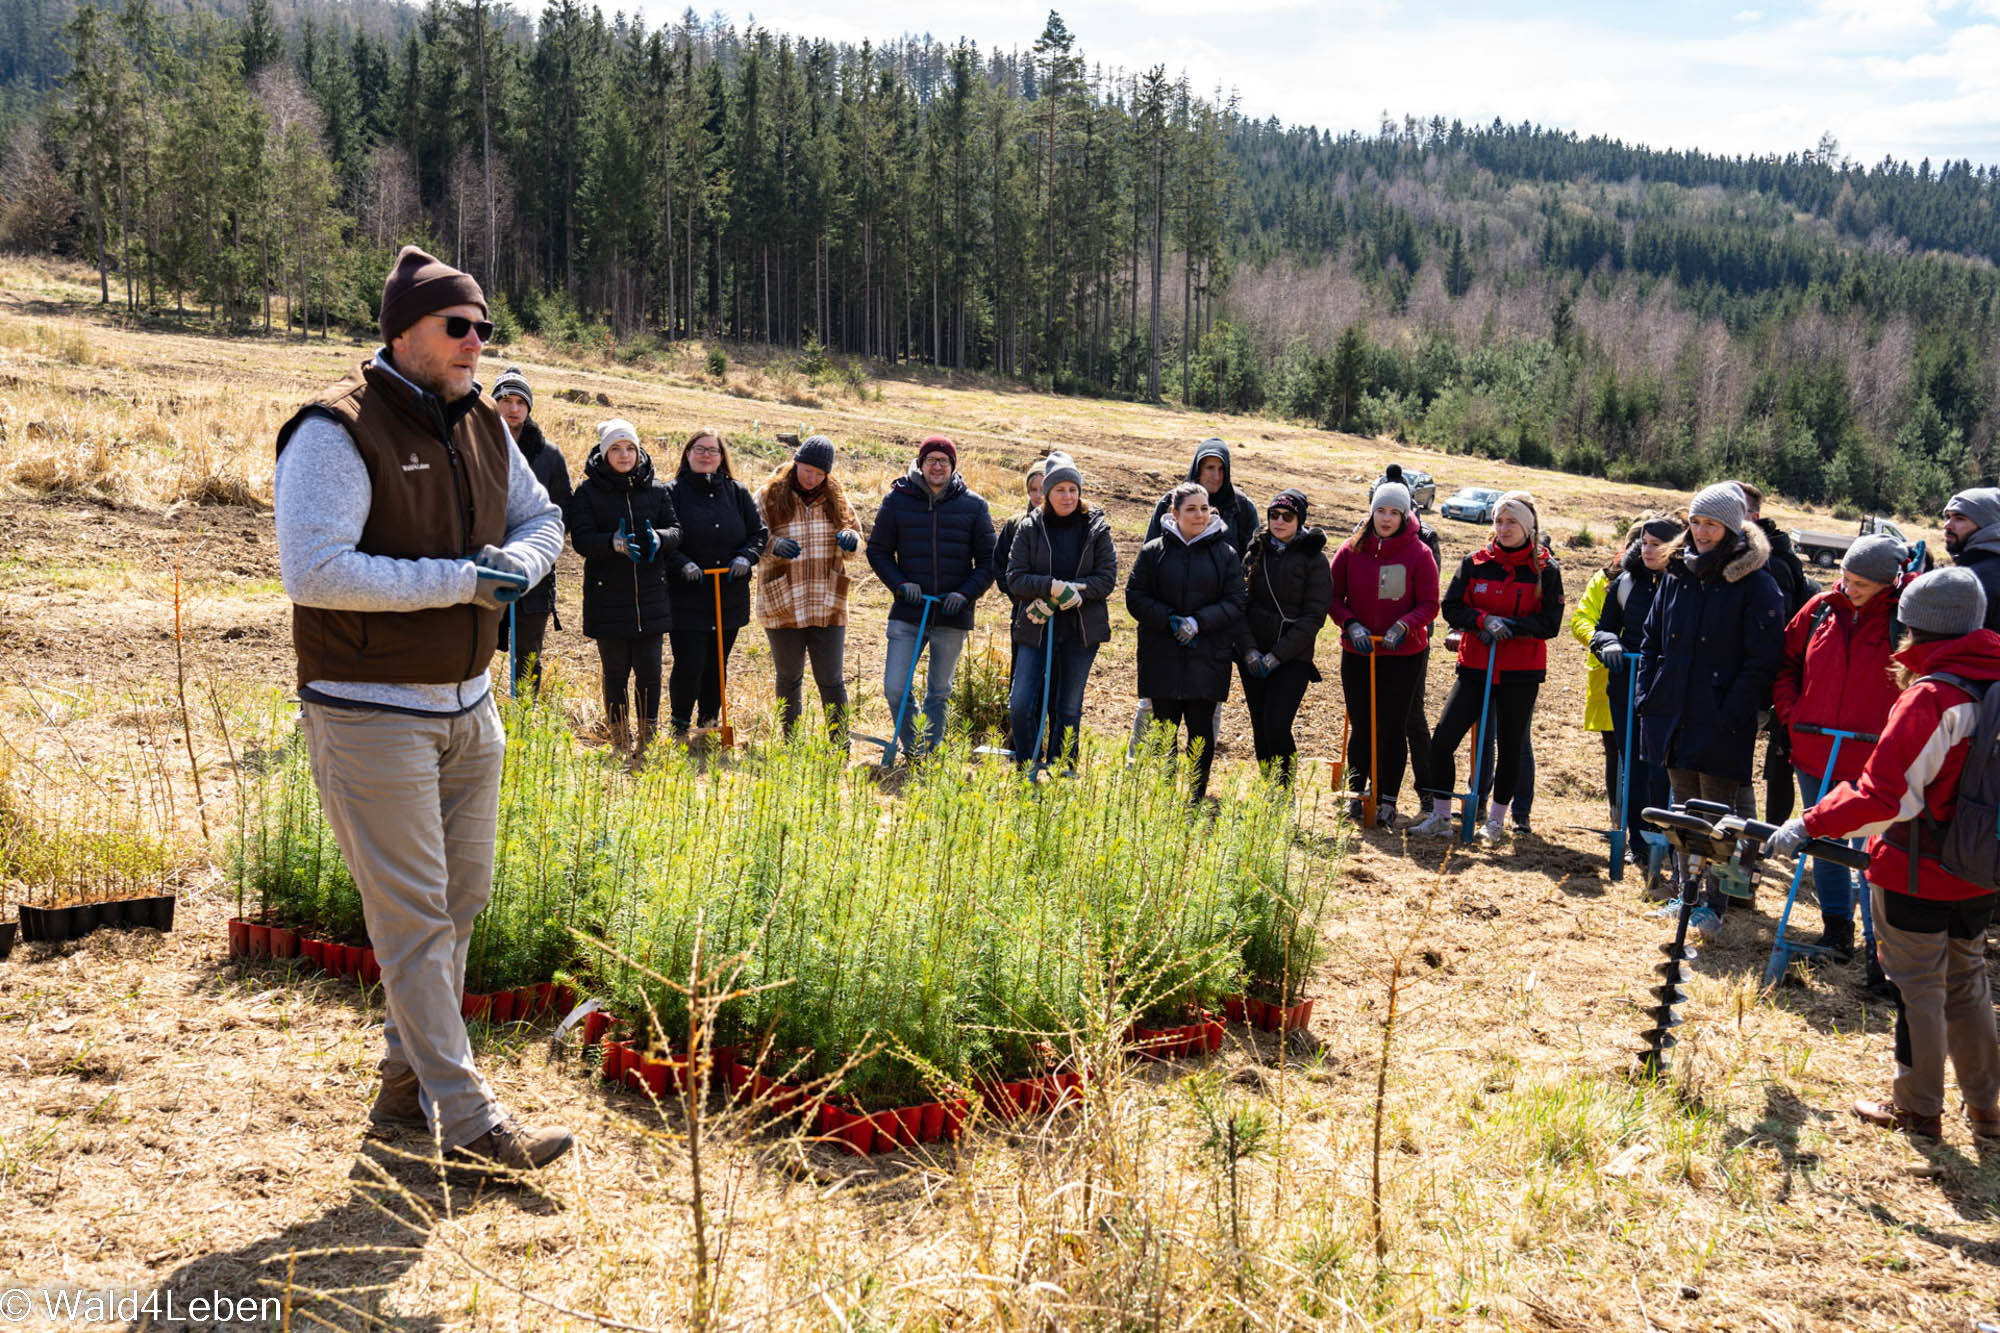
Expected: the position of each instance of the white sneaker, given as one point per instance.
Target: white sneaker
(1437, 824)
(1493, 832)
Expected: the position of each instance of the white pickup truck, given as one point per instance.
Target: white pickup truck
(1825, 549)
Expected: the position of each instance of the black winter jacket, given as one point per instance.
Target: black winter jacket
(1786, 568)
(719, 522)
(1289, 595)
(1029, 576)
(1003, 547)
(621, 599)
(546, 462)
(1204, 580)
(1984, 562)
(1626, 604)
(1236, 508)
(943, 544)
(1713, 642)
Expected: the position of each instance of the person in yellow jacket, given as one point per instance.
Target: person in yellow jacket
(1596, 697)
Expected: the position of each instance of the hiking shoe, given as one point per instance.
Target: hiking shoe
(1838, 940)
(1888, 1115)
(1493, 832)
(1356, 811)
(397, 1105)
(1437, 824)
(1385, 815)
(512, 1146)
(1707, 923)
(1985, 1124)
(1875, 981)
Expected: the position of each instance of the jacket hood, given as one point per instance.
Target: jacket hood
(530, 441)
(1779, 539)
(1975, 656)
(912, 482)
(1215, 527)
(1752, 553)
(1986, 539)
(1310, 540)
(598, 469)
(1212, 449)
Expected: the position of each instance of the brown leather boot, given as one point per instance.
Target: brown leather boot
(1985, 1124)
(511, 1146)
(1888, 1115)
(396, 1106)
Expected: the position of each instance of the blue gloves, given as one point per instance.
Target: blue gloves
(502, 578)
(1184, 628)
(911, 594)
(1791, 836)
(1357, 635)
(1392, 638)
(785, 548)
(847, 539)
(953, 603)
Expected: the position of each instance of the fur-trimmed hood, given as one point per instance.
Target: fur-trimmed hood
(1751, 553)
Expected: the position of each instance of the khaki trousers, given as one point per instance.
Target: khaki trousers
(413, 803)
(1935, 952)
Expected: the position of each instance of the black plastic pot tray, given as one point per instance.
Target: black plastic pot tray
(52, 925)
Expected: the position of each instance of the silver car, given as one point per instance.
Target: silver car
(1472, 504)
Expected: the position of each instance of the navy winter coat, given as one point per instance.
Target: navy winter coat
(546, 462)
(943, 544)
(1713, 642)
(621, 599)
(719, 522)
(1030, 572)
(1204, 579)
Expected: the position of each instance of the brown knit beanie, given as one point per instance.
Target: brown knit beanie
(419, 285)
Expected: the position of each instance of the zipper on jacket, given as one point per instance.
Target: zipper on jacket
(632, 526)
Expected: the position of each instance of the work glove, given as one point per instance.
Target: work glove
(1791, 836)
(691, 572)
(911, 593)
(1066, 596)
(1498, 629)
(502, 578)
(1269, 663)
(1613, 656)
(739, 569)
(1392, 638)
(1040, 611)
(785, 548)
(847, 539)
(1913, 563)
(1184, 628)
(648, 542)
(953, 603)
(1357, 635)
(621, 544)
(1253, 664)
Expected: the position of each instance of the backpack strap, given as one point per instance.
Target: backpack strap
(1924, 820)
(1819, 615)
(1975, 688)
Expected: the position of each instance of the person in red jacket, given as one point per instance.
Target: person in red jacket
(1837, 673)
(1930, 925)
(1385, 586)
(1507, 598)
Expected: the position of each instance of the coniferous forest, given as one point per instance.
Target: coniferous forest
(1825, 326)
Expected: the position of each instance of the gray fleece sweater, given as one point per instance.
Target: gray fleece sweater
(322, 503)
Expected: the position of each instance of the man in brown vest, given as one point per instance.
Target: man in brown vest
(406, 521)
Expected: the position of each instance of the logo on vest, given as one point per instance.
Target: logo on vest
(416, 465)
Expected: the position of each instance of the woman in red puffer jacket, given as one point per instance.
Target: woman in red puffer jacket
(1930, 925)
(1507, 599)
(1385, 596)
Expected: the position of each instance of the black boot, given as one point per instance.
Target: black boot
(1838, 937)
(1877, 982)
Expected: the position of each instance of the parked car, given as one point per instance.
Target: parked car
(1471, 504)
(1825, 549)
(1423, 489)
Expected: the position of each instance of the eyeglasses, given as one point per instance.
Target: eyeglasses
(706, 449)
(457, 326)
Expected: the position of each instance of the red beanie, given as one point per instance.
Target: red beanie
(420, 285)
(937, 444)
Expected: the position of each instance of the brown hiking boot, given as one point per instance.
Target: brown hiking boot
(396, 1105)
(512, 1146)
(1985, 1124)
(1888, 1115)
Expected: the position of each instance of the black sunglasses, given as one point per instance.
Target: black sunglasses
(456, 326)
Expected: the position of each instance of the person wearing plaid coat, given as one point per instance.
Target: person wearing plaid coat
(802, 581)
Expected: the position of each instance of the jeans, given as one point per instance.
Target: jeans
(1070, 672)
(826, 645)
(1417, 728)
(694, 683)
(1520, 796)
(945, 646)
(1833, 884)
(414, 805)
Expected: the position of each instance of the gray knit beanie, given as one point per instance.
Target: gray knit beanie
(1944, 601)
(1982, 505)
(512, 381)
(1393, 495)
(1058, 468)
(815, 451)
(1722, 502)
(1877, 559)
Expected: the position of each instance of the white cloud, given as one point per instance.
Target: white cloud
(1753, 15)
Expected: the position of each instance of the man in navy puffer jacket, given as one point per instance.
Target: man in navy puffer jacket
(933, 537)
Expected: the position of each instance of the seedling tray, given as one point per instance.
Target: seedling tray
(52, 925)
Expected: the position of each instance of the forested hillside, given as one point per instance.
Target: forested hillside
(1821, 325)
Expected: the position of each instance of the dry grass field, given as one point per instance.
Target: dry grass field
(173, 1120)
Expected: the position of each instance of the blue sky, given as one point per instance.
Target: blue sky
(1913, 78)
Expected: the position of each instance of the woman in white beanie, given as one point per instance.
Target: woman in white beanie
(1710, 651)
(1507, 602)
